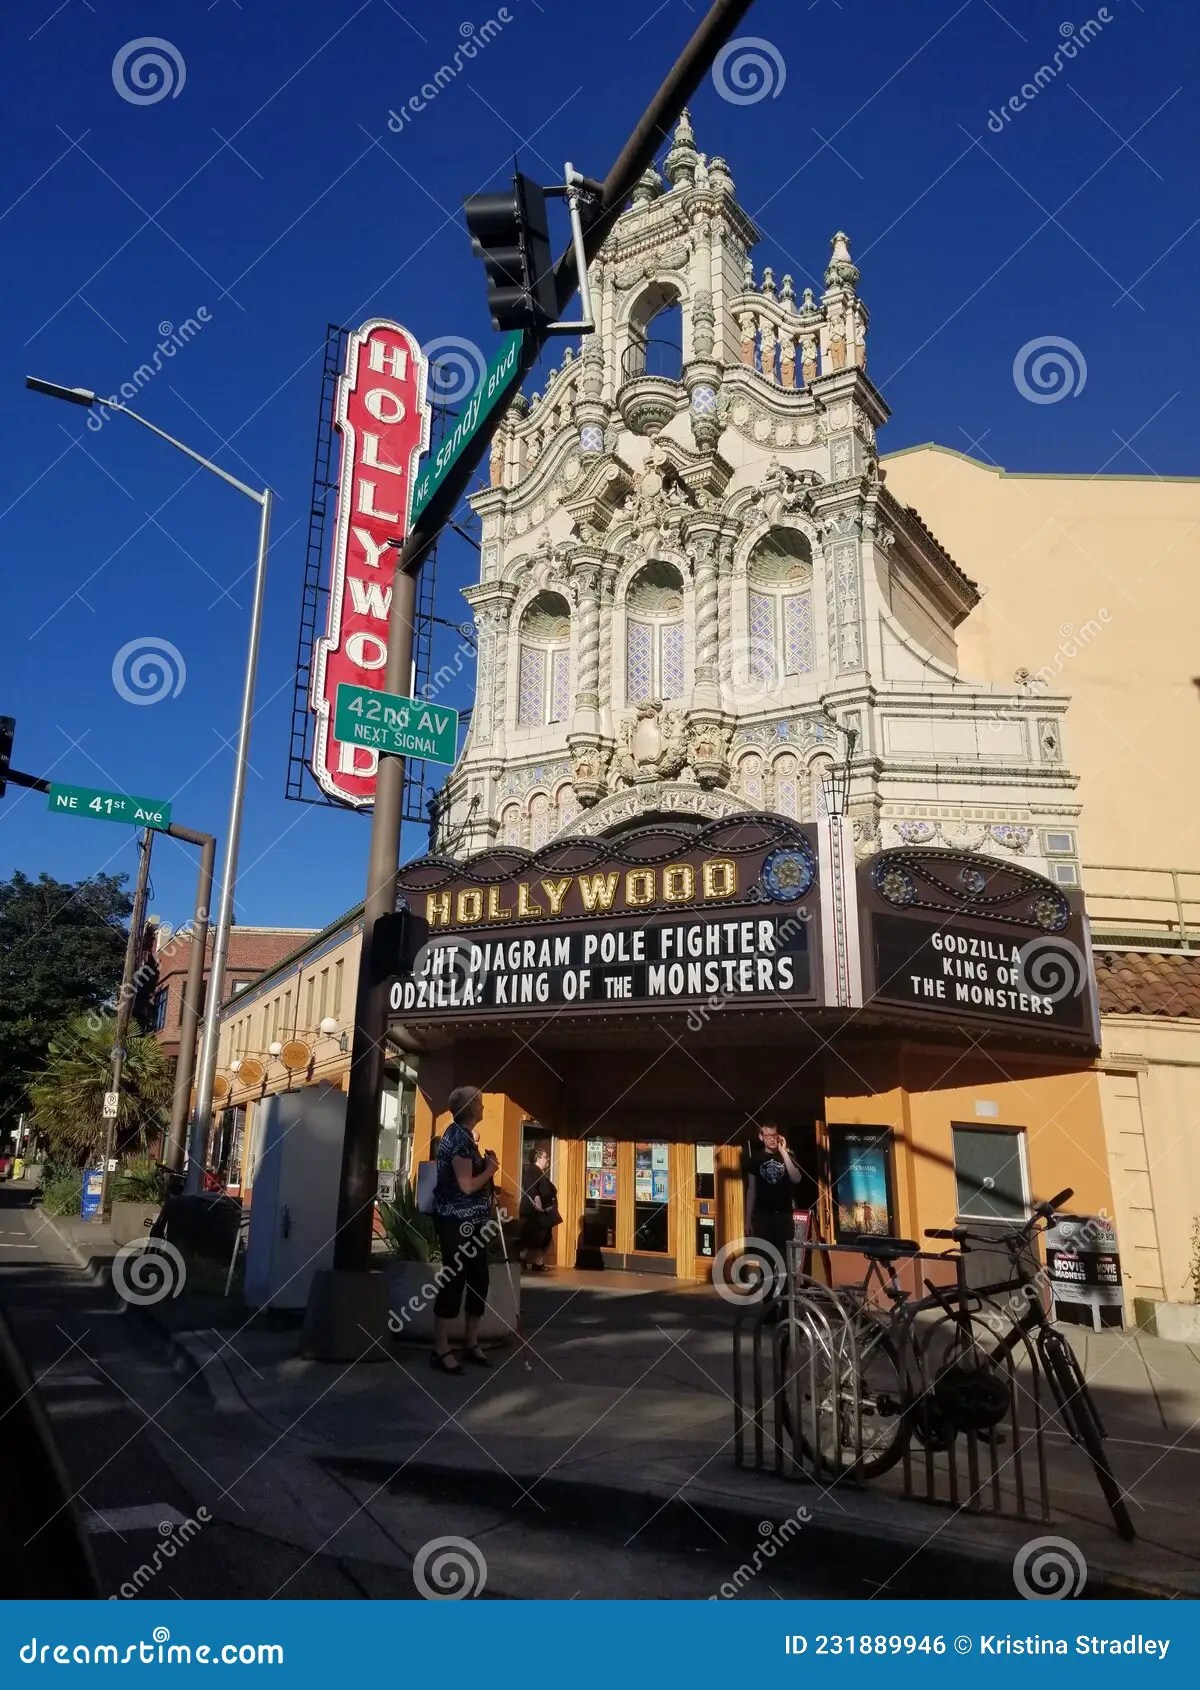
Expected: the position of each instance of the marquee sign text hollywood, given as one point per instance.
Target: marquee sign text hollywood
(383, 418)
(639, 937)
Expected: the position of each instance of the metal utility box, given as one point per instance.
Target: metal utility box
(293, 1212)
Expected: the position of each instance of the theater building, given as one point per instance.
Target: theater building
(734, 835)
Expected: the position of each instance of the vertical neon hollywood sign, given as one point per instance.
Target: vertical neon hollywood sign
(383, 418)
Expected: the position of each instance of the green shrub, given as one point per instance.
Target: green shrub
(63, 1194)
(141, 1180)
(410, 1234)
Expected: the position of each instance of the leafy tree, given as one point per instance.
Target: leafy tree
(68, 1094)
(62, 947)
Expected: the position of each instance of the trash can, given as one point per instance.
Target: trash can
(19, 1168)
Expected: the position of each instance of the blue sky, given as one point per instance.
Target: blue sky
(265, 197)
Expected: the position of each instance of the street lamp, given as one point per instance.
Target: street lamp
(202, 1114)
(835, 778)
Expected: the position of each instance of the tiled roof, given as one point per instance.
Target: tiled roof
(1165, 983)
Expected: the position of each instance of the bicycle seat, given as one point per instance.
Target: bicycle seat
(887, 1249)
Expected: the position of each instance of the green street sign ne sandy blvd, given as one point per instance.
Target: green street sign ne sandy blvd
(403, 726)
(498, 381)
(110, 806)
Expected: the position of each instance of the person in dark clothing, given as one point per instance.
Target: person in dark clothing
(539, 1209)
(462, 1201)
(771, 1180)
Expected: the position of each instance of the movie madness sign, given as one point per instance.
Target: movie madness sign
(383, 419)
(661, 920)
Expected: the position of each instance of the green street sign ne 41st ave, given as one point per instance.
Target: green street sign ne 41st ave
(110, 806)
(385, 721)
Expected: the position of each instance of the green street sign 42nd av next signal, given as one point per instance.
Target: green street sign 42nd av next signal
(385, 721)
(110, 806)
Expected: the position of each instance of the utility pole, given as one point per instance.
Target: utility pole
(189, 1021)
(347, 1310)
(125, 1011)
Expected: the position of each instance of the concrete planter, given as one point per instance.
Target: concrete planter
(1179, 1322)
(412, 1287)
(131, 1222)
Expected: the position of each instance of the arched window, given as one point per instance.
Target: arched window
(567, 805)
(654, 666)
(540, 815)
(510, 825)
(544, 673)
(750, 780)
(786, 771)
(655, 343)
(779, 608)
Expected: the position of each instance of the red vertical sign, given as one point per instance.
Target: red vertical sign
(383, 418)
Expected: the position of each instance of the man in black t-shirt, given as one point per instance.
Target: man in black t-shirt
(771, 1180)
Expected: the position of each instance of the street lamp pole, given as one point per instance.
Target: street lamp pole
(208, 1055)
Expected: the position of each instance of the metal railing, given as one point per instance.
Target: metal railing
(802, 1398)
(1164, 911)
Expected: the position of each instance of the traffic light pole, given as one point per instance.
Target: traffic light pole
(347, 1309)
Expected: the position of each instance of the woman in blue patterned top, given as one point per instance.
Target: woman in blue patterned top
(461, 1205)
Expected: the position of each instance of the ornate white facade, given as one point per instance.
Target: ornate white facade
(694, 580)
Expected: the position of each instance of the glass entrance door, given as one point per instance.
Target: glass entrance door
(626, 1220)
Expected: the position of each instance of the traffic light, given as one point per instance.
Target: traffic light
(8, 727)
(509, 232)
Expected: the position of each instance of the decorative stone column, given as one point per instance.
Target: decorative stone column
(591, 413)
(702, 375)
(584, 739)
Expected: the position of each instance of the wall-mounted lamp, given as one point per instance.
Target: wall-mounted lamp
(835, 778)
(328, 1027)
(274, 1048)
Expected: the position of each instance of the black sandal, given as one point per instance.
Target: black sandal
(446, 1363)
(476, 1357)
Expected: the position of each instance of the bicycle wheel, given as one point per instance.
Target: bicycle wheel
(1082, 1420)
(842, 1387)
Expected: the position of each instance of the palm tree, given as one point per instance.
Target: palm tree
(68, 1093)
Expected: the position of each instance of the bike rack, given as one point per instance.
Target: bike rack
(796, 1378)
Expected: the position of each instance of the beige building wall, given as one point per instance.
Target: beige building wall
(1092, 584)
(1150, 1086)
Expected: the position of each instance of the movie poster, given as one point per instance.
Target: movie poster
(860, 1172)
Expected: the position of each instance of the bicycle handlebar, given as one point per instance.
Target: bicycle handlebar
(1002, 1240)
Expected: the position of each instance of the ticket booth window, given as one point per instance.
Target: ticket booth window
(990, 1173)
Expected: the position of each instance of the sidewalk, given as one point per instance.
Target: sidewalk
(615, 1404)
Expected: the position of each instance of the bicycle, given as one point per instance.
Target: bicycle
(863, 1400)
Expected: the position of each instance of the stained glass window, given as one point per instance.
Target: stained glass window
(639, 661)
(762, 638)
(560, 685)
(798, 633)
(531, 687)
(787, 786)
(670, 636)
